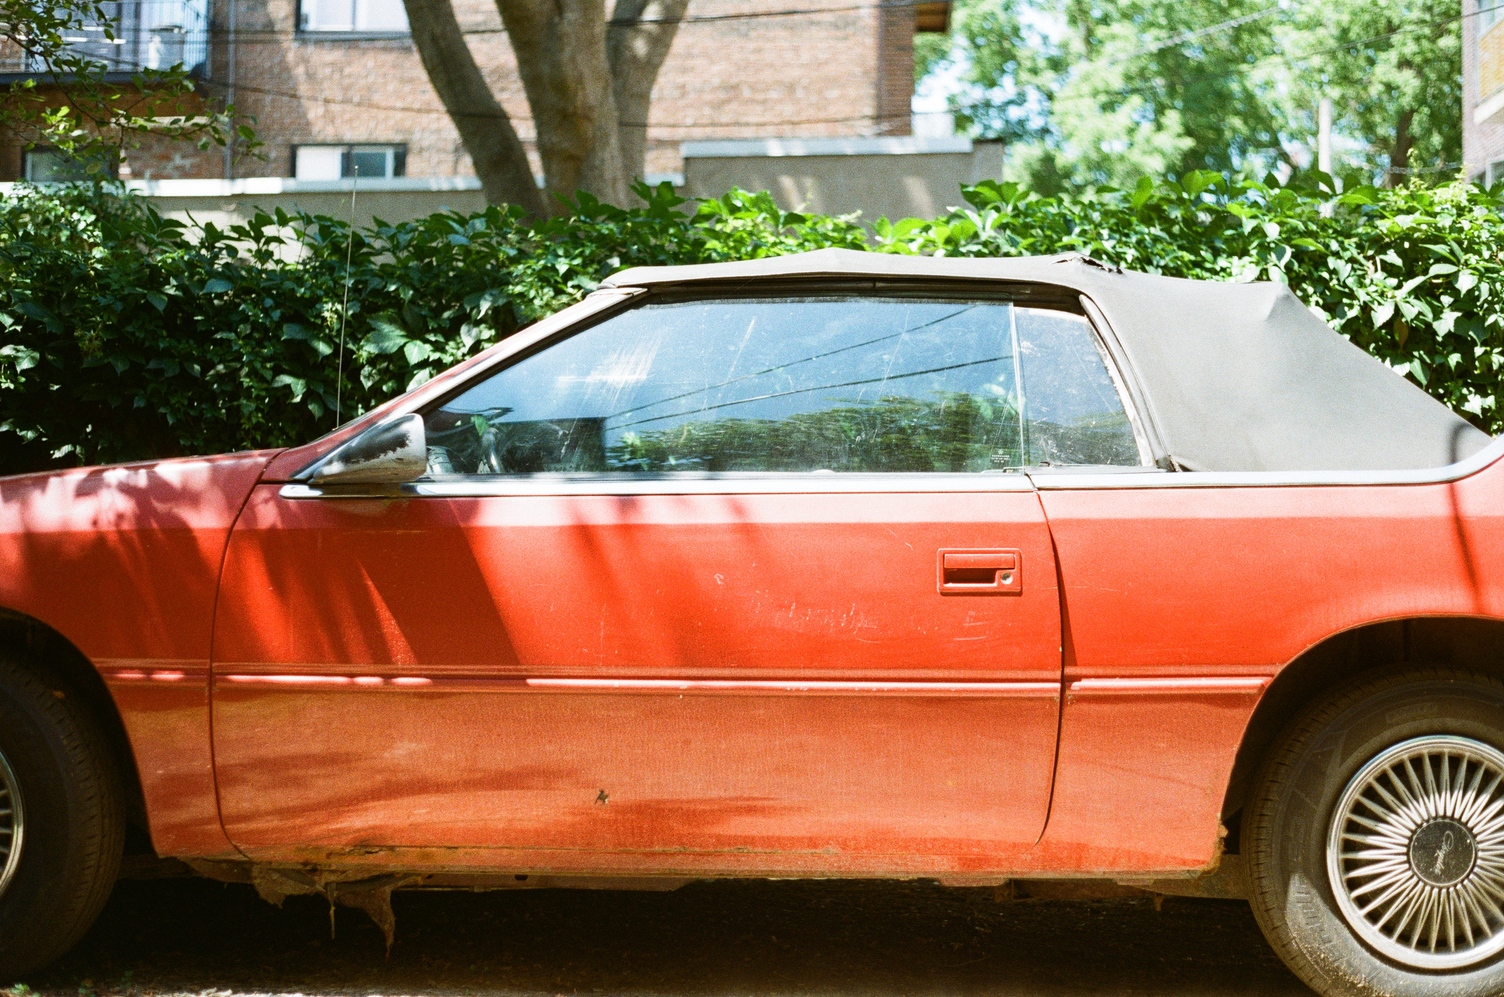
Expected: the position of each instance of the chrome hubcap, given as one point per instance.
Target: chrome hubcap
(1416, 852)
(12, 824)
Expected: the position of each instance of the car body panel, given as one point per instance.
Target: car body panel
(761, 681)
(1184, 602)
(124, 563)
(700, 676)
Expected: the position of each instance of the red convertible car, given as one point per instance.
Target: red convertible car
(831, 565)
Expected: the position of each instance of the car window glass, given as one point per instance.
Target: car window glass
(1074, 413)
(794, 384)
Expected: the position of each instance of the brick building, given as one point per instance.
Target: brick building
(335, 84)
(1483, 89)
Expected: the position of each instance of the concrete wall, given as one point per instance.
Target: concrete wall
(229, 202)
(880, 177)
(877, 177)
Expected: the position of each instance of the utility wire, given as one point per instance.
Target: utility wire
(1211, 29)
(717, 123)
(785, 122)
(1127, 91)
(1153, 85)
(267, 35)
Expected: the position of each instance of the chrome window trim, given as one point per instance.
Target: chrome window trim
(681, 483)
(1047, 480)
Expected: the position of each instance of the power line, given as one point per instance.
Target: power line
(875, 118)
(1273, 57)
(265, 35)
(717, 123)
(1211, 29)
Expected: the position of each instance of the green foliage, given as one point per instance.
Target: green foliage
(1102, 92)
(955, 432)
(1394, 71)
(123, 335)
(98, 119)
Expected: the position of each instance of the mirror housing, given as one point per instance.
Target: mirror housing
(389, 453)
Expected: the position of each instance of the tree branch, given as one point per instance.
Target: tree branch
(639, 40)
(561, 56)
(495, 150)
(1399, 155)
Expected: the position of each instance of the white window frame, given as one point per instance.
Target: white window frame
(321, 17)
(395, 155)
(29, 164)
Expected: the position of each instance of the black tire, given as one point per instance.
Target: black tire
(1296, 796)
(74, 820)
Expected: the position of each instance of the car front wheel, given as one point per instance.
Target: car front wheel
(61, 821)
(1375, 838)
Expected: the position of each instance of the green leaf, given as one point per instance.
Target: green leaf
(1145, 191)
(217, 285)
(416, 352)
(1197, 181)
(386, 336)
(22, 357)
(298, 385)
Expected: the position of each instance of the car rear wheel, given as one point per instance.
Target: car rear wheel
(1375, 838)
(62, 822)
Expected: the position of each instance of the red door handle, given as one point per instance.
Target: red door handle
(981, 572)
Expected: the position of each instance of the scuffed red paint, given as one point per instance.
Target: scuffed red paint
(699, 685)
(124, 562)
(575, 647)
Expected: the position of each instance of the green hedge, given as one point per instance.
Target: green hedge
(123, 335)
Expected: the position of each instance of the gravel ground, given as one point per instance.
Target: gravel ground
(196, 937)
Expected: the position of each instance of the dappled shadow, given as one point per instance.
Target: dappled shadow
(123, 562)
(705, 939)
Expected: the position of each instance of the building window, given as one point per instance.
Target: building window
(337, 162)
(935, 17)
(1490, 12)
(56, 166)
(1490, 47)
(373, 16)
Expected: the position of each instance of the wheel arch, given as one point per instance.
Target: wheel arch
(1463, 641)
(59, 661)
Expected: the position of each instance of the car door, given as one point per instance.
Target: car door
(747, 585)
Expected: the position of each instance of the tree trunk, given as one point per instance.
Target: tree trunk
(1399, 155)
(561, 55)
(495, 150)
(637, 42)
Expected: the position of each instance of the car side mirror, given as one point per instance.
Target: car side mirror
(389, 453)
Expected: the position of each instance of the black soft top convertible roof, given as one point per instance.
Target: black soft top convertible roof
(1236, 377)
